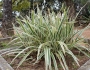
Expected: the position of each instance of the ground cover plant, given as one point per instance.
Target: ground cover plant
(51, 36)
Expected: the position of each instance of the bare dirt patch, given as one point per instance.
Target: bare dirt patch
(28, 65)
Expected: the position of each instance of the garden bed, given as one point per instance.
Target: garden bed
(28, 65)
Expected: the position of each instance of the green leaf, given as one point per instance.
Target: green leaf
(24, 58)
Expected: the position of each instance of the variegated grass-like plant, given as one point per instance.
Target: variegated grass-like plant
(51, 36)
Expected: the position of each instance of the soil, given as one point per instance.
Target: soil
(29, 65)
(86, 33)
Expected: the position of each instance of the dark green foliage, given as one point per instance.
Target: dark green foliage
(86, 7)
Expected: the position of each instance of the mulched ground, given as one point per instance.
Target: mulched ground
(28, 65)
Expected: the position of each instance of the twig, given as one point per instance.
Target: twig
(4, 39)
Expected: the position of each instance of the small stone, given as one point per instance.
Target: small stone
(86, 66)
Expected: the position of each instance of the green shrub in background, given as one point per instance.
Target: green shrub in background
(51, 36)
